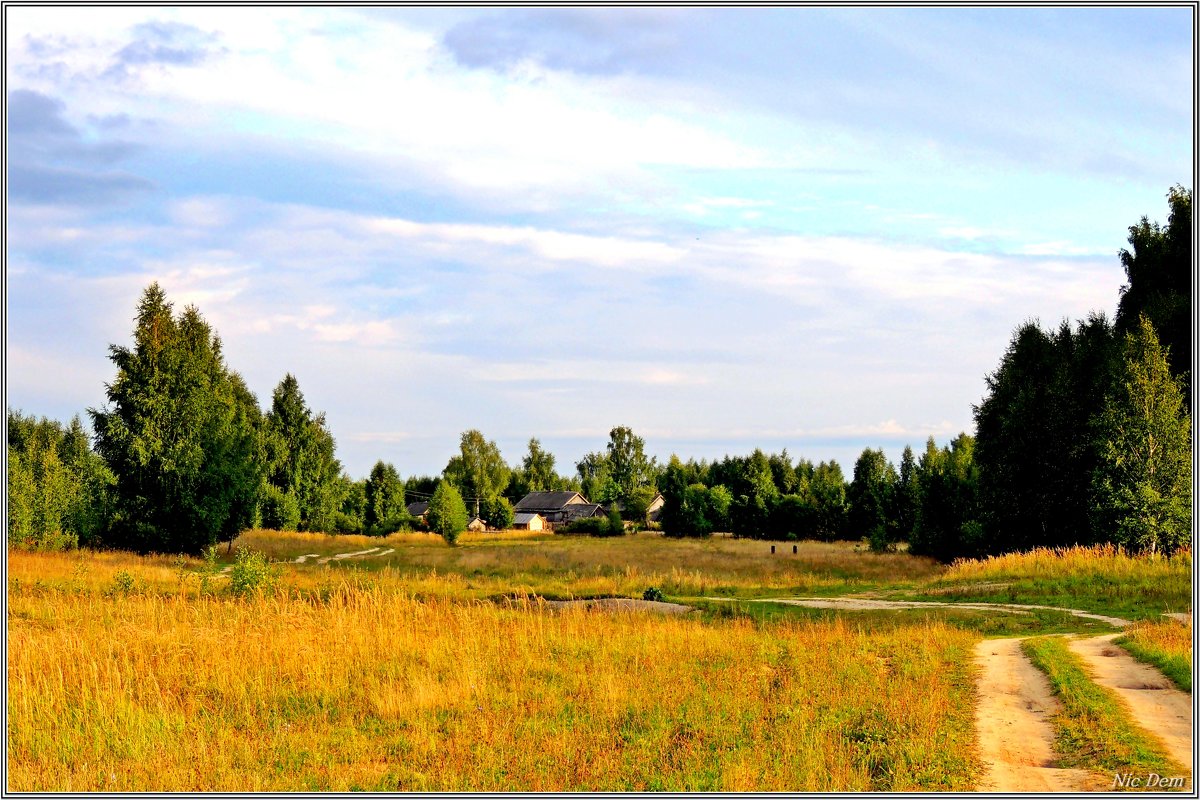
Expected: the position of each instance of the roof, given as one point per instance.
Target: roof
(549, 501)
(417, 509)
(580, 510)
(524, 518)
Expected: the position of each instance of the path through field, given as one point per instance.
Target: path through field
(1012, 719)
(1015, 702)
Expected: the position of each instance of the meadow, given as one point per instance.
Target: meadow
(438, 668)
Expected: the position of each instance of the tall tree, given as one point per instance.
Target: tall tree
(384, 495)
(478, 471)
(181, 435)
(1143, 483)
(947, 516)
(905, 498)
(627, 462)
(301, 457)
(870, 497)
(538, 469)
(1158, 268)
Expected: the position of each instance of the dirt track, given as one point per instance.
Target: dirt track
(1012, 719)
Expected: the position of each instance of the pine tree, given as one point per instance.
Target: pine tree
(1143, 483)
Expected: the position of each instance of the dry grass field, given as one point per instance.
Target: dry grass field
(161, 686)
(425, 667)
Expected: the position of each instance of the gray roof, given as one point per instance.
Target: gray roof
(524, 518)
(417, 509)
(548, 501)
(581, 510)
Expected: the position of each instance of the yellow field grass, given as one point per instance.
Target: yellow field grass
(365, 686)
(1104, 561)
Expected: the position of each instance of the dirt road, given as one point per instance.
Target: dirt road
(1012, 719)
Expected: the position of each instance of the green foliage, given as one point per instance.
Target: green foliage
(123, 584)
(181, 436)
(279, 510)
(57, 487)
(627, 463)
(300, 455)
(870, 497)
(252, 573)
(653, 594)
(616, 526)
(587, 526)
(478, 471)
(1158, 268)
(1143, 483)
(383, 496)
(946, 521)
(637, 504)
(447, 514)
(498, 512)
(537, 473)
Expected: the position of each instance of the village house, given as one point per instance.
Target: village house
(525, 521)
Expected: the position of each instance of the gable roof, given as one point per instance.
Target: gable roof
(580, 510)
(417, 509)
(548, 501)
(525, 517)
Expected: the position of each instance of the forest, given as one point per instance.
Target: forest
(1083, 437)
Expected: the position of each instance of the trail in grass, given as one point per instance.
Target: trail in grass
(870, 604)
(1012, 718)
(1157, 705)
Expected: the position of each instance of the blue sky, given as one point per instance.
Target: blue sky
(726, 228)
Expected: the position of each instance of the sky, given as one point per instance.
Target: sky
(811, 228)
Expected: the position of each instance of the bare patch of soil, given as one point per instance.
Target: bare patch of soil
(621, 604)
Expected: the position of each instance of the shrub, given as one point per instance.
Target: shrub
(252, 573)
(654, 594)
(280, 509)
(588, 526)
(447, 514)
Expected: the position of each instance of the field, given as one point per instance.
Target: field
(415, 666)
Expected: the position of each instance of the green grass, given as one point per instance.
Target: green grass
(1166, 645)
(988, 624)
(1100, 579)
(1094, 729)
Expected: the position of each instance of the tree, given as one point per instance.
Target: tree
(301, 456)
(828, 491)
(627, 463)
(947, 516)
(637, 504)
(384, 496)
(499, 513)
(181, 436)
(616, 526)
(478, 471)
(1158, 268)
(905, 498)
(870, 497)
(538, 468)
(447, 514)
(1143, 482)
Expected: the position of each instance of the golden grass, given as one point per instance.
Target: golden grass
(1106, 561)
(563, 566)
(369, 687)
(1166, 644)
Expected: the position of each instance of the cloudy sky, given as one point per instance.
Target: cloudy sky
(726, 228)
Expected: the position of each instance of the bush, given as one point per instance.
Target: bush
(654, 594)
(252, 573)
(280, 509)
(447, 515)
(594, 526)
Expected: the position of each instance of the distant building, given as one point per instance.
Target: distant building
(524, 521)
(476, 524)
(418, 510)
(554, 507)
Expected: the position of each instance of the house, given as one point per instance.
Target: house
(524, 521)
(554, 507)
(476, 524)
(583, 510)
(417, 510)
(655, 509)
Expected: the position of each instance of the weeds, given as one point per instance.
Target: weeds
(1166, 645)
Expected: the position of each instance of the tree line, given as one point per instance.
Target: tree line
(1083, 436)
